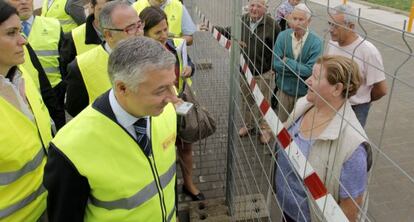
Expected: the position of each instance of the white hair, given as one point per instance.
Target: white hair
(350, 13)
(302, 7)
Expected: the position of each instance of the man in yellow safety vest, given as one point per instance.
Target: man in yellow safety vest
(87, 74)
(115, 161)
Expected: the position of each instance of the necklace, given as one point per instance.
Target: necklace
(313, 125)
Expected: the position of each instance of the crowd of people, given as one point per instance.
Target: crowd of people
(117, 72)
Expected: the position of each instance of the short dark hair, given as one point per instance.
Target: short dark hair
(6, 11)
(152, 16)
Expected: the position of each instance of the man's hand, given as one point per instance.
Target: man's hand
(242, 44)
(186, 72)
(177, 102)
(202, 27)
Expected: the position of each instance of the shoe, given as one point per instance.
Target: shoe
(265, 137)
(194, 197)
(244, 131)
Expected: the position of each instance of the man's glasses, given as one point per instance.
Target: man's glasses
(130, 29)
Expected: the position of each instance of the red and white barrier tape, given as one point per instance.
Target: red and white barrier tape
(324, 200)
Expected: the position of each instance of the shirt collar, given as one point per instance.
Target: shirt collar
(123, 117)
(107, 48)
(165, 4)
(303, 37)
(256, 22)
(30, 20)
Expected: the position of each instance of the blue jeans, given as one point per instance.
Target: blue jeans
(361, 112)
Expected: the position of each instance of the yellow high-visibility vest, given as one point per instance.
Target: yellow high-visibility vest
(23, 197)
(29, 67)
(79, 37)
(174, 11)
(93, 66)
(126, 185)
(57, 10)
(44, 38)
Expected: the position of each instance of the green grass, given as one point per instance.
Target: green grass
(404, 5)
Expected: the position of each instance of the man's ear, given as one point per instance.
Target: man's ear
(120, 87)
(107, 34)
(351, 26)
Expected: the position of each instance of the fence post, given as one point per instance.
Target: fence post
(233, 98)
(411, 18)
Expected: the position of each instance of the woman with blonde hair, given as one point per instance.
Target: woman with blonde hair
(326, 130)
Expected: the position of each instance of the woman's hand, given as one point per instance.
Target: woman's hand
(187, 72)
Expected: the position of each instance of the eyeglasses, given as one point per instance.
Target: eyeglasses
(130, 29)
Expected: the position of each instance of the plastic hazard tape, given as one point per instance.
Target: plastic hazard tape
(324, 200)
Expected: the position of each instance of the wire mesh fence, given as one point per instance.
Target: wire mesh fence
(241, 169)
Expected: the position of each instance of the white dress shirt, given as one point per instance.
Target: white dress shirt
(125, 119)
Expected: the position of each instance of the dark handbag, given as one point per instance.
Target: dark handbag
(197, 124)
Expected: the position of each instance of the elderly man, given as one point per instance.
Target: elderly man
(258, 34)
(179, 20)
(296, 51)
(85, 36)
(87, 74)
(45, 37)
(346, 42)
(115, 161)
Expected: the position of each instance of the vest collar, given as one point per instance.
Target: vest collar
(91, 36)
(102, 105)
(333, 129)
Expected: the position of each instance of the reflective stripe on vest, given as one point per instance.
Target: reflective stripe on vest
(22, 203)
(66, 22)
(174, 12)
(47, 52)
(22, 196)
(93, 67)
(10, 177)
(79, 38)
(140, 197)
(117, 169)
(44, 39)
(57, 10)
(172, 213)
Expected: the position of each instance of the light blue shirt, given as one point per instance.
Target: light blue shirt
(125, 119)
(30, 22)
(187, 25)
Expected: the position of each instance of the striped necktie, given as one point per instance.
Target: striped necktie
(26, 28)
(143, 140)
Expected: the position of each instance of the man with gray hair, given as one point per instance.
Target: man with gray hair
(87, 75)
(296, 51)
(115, 161)
(346, 42)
